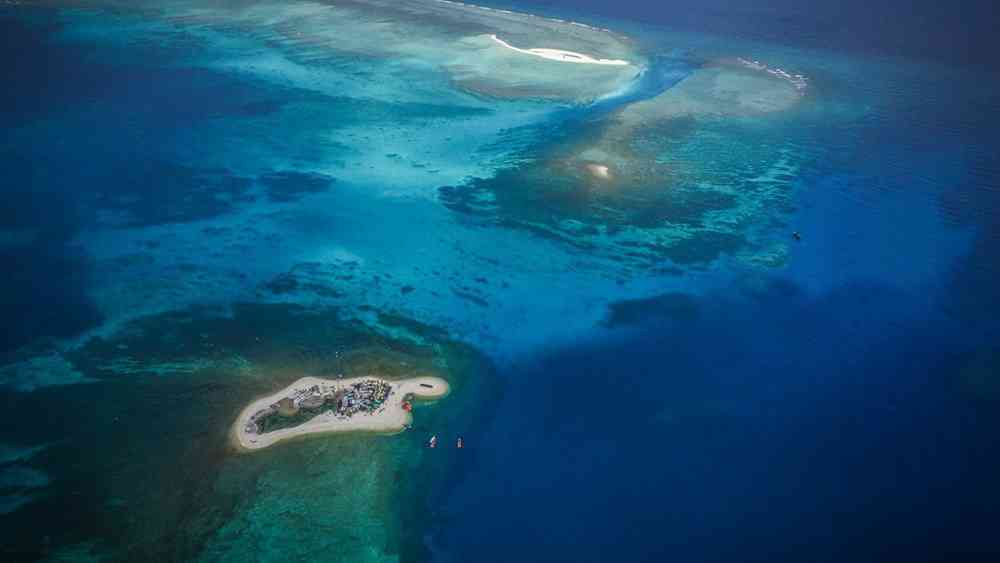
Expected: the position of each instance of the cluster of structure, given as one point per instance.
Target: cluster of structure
(365, 396)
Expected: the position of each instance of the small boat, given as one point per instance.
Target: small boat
(459, 443)
(433, 442)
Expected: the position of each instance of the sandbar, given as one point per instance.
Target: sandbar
(389, 417)
(560, 55)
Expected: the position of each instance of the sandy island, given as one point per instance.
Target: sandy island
(560, 55)
(342, 407)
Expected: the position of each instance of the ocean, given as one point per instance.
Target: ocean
(771, 335)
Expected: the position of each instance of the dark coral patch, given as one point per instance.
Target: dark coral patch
(289, 185)
(672, 306)
(159, 192)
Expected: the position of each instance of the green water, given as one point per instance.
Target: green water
(146, 461)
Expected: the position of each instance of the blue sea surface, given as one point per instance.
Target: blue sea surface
(197, 212)
(826, 414)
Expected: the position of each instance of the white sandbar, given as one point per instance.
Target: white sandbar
(391, 417)
(560, 55)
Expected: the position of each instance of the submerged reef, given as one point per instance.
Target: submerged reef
(155, 441)
(453, 38)
(685, 175)
(668, 306)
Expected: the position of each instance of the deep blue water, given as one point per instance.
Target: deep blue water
(793, 429)
(824, 412)
(798, 428)
(35, 269)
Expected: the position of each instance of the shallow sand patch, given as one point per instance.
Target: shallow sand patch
(561, 55)
(598, 171)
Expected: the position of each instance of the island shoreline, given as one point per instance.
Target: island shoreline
(391, 418)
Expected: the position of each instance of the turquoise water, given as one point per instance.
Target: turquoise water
(210, 200)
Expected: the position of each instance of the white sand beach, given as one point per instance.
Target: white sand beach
(390, 417)
(560, 55)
